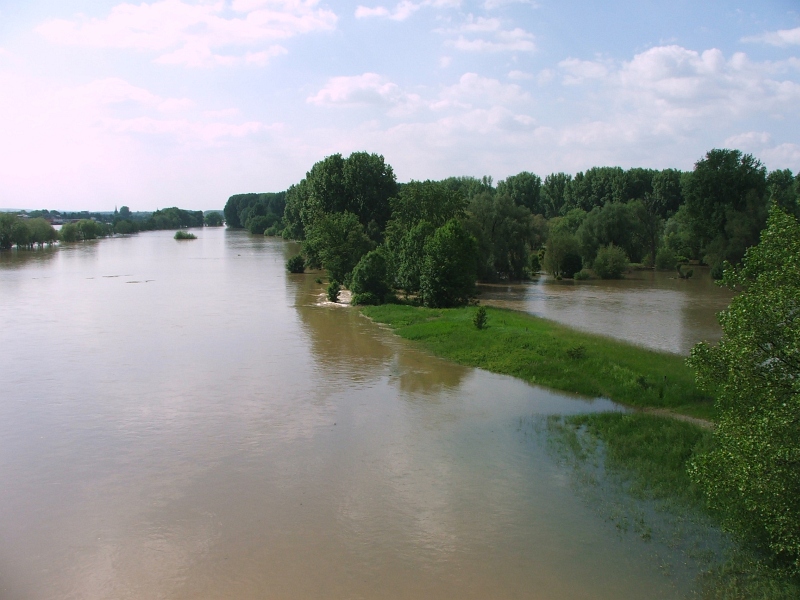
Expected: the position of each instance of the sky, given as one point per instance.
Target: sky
(186, 102)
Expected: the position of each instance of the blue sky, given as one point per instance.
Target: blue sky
(185, 102)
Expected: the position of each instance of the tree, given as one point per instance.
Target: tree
(370, 280)
(409, 254)
(7, 221)
(337, 242)
(726, 202)
(524, 190)
(562, 254)
(553, 194)
(449, 270)
(610, 262)
(212, 219)
(613, 223)
(752, 475)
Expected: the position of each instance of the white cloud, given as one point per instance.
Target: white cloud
(519, 75)
(782, 37)
(402, 10)
(483, 34)
(492, 4)
(445, 61)
(472, 90)
(196, 34)
(577, 71)
(369, 89)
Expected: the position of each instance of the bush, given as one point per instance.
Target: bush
(333, 291)
(69, 233)
(296, 264)
(582, 275)
(479, 320)
(370, 276)
(611, 262)
(666, 259)
(184, 235)
(366, 299)
(214, 219)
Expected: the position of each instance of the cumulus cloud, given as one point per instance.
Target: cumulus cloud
(782, 37)
(196, 34)
(472, 90)
(369, 89)
(488, 35)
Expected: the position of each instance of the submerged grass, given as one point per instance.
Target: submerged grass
(650, 454)
(552, 355)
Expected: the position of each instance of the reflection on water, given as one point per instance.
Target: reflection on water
(652, 309)
(184, 420)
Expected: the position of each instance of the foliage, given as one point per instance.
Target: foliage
(562, 254)
(611, 262)
(523, 189)
(333, 291)
(184, 235)
(726, 202)
(615, 223)
(666, 259)
(336, 241)
(240, 208)
(296, 264)
(505, 235)
(553, 194)
(752, 476)
(429, 201)
(409, 255)
(535, 350)
(582, 275)
(84, 229)
(366, 299)
(370, 277)
(7, 221)
(361, 184)
(449, 268)
(212, 219)
(479, 320)
(174, 218)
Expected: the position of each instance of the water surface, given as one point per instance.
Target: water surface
(186, 420)
(652, 309)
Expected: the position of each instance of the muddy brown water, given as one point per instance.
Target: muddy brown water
(657, 309)
(185, 420)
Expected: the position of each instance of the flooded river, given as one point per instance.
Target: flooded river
(185, 420)
(657, 310)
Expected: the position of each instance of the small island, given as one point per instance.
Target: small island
(184, 235)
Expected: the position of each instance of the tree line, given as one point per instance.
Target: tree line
(34, 229)
(433, 237)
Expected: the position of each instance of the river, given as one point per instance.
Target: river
(187, 420)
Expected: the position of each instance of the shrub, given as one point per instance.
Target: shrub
(666, 259)
(576, 352)
(479, 320)
(582, 275)
(333, 291)
(572, 264)
(611, 262)
(366, 299)
(69, 233)
(296, 264)
(184, 235)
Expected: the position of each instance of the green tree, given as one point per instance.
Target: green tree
(409, 254)
(610, 262)
(7, 221)
(337, 242)
(782, 189)
(449, 268)
(726, 202)
(524, 190)
(212, 219)
(370, 280)
(752, 475)
(554, 194)
(562, 254)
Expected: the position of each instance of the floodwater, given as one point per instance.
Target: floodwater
(657, 310)
(186, 420)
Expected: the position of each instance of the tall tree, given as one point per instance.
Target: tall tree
(752, 475)
(524, 190)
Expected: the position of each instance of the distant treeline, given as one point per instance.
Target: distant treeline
(35, 229)
(591, 224)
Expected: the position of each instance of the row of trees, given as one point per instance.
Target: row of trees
(37, 231)
(600, 219)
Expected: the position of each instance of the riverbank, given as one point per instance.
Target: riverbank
(552, 355)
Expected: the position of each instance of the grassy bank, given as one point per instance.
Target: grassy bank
(552, 355)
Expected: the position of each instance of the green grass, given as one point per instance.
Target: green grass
(652, 452)
(184, 235)
(552, 355)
